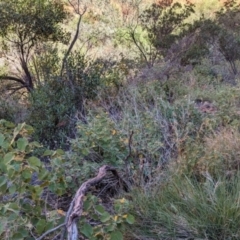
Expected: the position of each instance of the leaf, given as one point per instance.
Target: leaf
(40, 226)
(17, 236)
(26, 174)
(16, 131)
(130, 219)
(8, 157)
(21, 144)
(100, 209)
(60, 152)
(61, 212)
(48, 153)
(116, 235)
(111, 227)
(2, 228)
(13, 206)
(36, 144)
(87, 230)
(1, 139)
(12, 189)
(105, 217)
(8, 124)
(3, 188)
(19, 157)
(3, 180)
(14, 216)
(43, 174)
(22, 231)
(34, 162)
(87, 204)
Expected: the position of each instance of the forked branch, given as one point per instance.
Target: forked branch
(76, 206)
(77, 11)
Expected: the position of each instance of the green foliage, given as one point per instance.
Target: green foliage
(91, 76)
(28, 22)
(45, 64)
(56, 100)
(164, 21)
(21, 201)
(111, 226)
(52, 106)
(11, 109)
(222, 31)
(85, 75)
(182, 207)
(156, 125)
(24, 27)
(98, 142)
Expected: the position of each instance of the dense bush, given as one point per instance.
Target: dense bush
(23, 180)
(26, 184)
(56, 101)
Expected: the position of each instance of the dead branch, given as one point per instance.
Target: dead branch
(140, 48)
(77, 11)
(126, 160)
(51, 230)
(11, 78)
(79, 197)
(76, 207)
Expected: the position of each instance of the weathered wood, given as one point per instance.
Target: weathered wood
(76, 207)
(79, 199)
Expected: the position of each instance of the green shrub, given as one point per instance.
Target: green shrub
(23, 178)
(111, 226)
(50, 113)
(158, 128)
(55, 102)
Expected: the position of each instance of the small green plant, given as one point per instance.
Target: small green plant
(107, 226)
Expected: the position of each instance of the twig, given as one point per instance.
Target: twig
(126, 160)
(51, 230)
(64, 61)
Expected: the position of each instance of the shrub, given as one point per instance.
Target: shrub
(163, 22)
(50, 113)
(158, 129)
(23, 180)
(56, 101)
(111, 226)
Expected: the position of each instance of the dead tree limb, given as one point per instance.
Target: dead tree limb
(77, 11)
(76, 207)
(79, 197)
(126, 160)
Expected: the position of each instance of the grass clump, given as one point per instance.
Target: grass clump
(182, 207)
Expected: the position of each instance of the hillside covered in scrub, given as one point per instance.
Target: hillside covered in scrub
(119, 119)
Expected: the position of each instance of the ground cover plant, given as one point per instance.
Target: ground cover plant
(119, 119)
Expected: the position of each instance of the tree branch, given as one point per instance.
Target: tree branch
(50, 231)
(13, 79)
(75, 37)
(76, 207)
(132, 34)
(126, 160)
